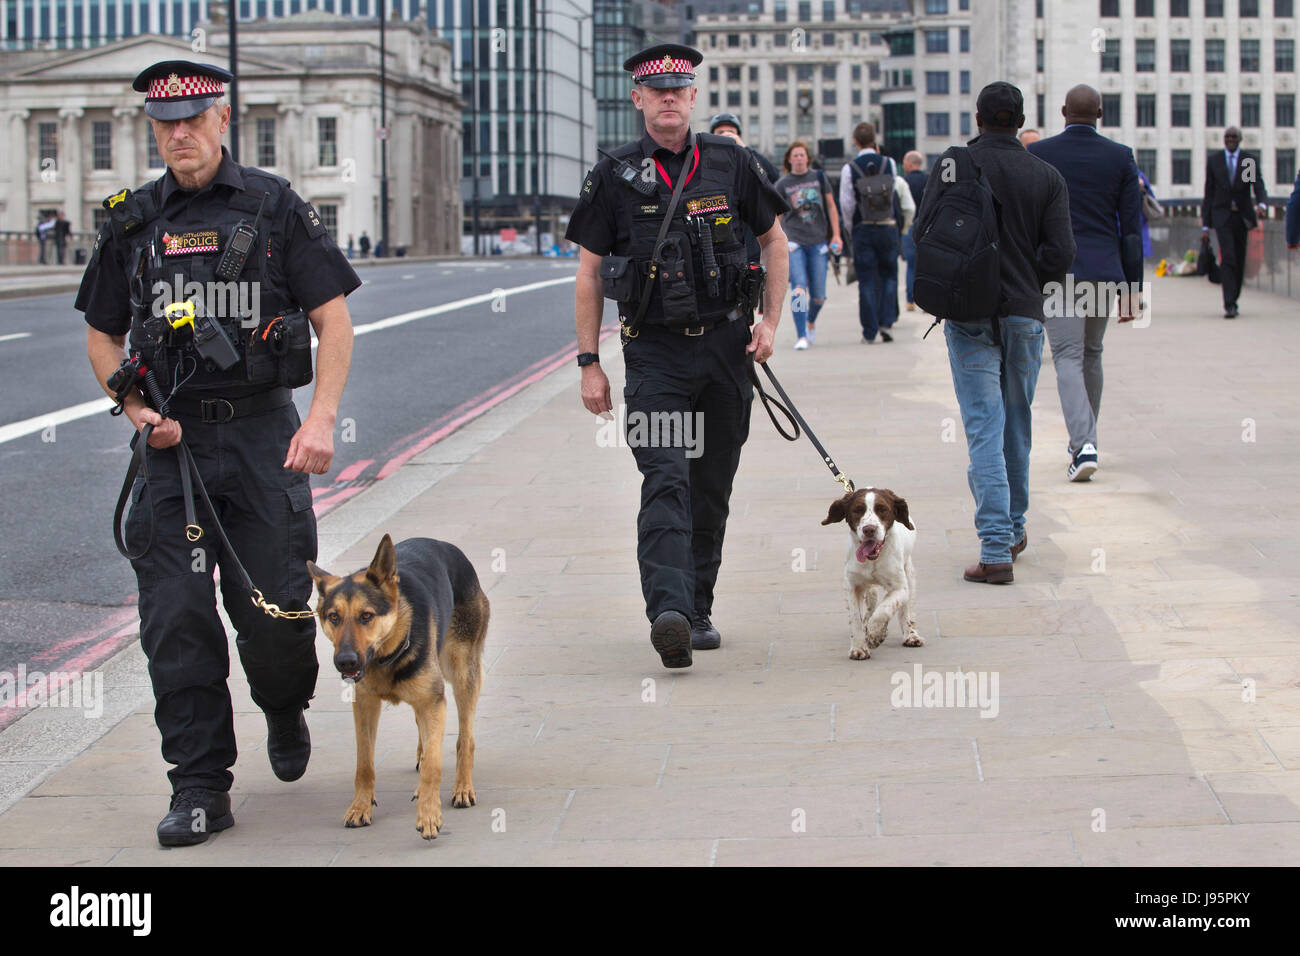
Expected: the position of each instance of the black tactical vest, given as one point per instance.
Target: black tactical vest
(704, 254)
(170, 263)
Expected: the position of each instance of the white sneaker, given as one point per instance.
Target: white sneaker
(1085, 463)
(801, 344)
(812, 335)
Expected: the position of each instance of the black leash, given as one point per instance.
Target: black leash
(792, 415)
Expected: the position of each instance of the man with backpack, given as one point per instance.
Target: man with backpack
(993, 229)
(869, 186)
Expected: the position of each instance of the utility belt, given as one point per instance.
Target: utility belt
(219, 411)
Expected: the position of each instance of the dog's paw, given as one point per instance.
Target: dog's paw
(359, 814)
(875, 636)
(914, 640)
(428, 819)
(462, 795)
(859, 653)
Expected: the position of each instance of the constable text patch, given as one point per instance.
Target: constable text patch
(186, 243)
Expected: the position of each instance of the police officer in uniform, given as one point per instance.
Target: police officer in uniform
(662, 223)
(226, 365)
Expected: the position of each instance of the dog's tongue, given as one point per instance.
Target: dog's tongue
(869, 551)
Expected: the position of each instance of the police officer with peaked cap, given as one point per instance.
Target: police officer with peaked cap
(662, 223)
(226, 366)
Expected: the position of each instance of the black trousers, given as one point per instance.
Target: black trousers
(1232, 247)
(266, 511)
(688, 402)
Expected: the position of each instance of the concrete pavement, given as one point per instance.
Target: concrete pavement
(1142, 674)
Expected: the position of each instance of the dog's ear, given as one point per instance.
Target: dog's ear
(900, 513)
(384, 567)
(320, 576)
(839, 508)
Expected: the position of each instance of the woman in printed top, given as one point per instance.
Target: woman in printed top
(812, 216)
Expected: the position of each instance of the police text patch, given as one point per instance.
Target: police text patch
(705, 204)
(188, 243)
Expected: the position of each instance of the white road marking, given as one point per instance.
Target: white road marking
(86, 409)
(15, 335)
(409, 275)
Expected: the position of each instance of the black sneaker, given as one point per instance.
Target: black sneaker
(671, 637)
(1084, 465)
(885, 336)
(288, 744)
(704, 636)
(195, 814)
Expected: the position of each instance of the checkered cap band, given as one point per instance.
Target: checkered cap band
(662, 65)
(183, 87)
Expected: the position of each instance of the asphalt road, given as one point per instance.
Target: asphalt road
(68, 596)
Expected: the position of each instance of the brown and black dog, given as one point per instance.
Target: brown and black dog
(398, 627)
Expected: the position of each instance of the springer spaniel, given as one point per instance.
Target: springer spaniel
(880, 556)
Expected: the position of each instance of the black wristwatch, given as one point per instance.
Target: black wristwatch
(587, 358)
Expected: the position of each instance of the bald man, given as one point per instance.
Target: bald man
(1230, 175)
(912, 163)
(1103, 181)
(1029, 137)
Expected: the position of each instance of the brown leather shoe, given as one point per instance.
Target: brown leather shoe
(1017, 548)
(989, 573)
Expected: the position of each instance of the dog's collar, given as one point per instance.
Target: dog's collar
(406, 646)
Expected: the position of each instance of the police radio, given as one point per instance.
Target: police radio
(210, 339)
(239, 246)
(629, 174)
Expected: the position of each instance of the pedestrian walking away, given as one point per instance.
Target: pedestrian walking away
(916, 179)
(1231, 175)
(1105, 215)
(995, 361)
(223, 366)
(813, 214)
(673, 254)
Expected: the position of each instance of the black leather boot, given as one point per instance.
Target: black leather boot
(288, 743)
(195, 814)
(704, 636)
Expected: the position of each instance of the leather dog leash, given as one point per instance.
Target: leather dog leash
(792, 415)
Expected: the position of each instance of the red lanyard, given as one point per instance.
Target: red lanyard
(694, 166)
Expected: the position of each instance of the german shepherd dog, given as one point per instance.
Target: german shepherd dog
(416, 615)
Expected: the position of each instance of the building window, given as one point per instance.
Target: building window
(265, 141)
(1249, 56)
(1283, 8)
(805, 10)
(733, 97)
(1146, 162)
(936, 6)
(1250, 109)
(1180, 56)
(102, 137)
(828, 72)
(780, 73)
(753, 74)
(855, 72)
(155, 160)
(1146, 109)
(828, 11)
(1144, 8)
(1284, 56)
(779, 13)
(1038, 55)
(1041, 110)
(733, 74)
(936, 82)
(1038, 9)
(1177, 8)
(828, 41)
(963, 37)
(327, 135)
(1181, 166)
(1284, 109)
(329, 217)
(1111, 109)
(713, 98)
(936, 124)
(733, 41)
(753, 97)
(713, 74)
(100, 217)
(1110, 55)
(1214, 55)
(855, 96)
(1285, 166)
(781, 97)
(1145, 56)
(803, 72)
(965, 124)
(828, 96)
(1180, 109)
(902, 43)
(1216, 109)
(47, 137)
(1247, 8)
(936, 41)
(965, 81)
(1110, 8)
(1214, 8)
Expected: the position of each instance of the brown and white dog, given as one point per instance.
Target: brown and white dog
(880, 557)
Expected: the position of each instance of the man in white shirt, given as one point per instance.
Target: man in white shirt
(875, 230)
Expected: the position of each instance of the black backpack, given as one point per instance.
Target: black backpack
(958, 272)
(875, 191)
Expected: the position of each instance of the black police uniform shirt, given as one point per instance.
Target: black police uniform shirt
(315, 270)
(593, 224)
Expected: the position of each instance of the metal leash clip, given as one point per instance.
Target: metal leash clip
(274, 609)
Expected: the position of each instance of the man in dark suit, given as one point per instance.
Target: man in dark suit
(1230, 176)
(1103, 181)
(1293, 216)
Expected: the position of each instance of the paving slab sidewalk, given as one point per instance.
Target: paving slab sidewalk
(1147, 659)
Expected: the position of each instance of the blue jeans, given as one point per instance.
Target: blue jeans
(909, 256)
(995, 388)
(875, 259)
(807, 272)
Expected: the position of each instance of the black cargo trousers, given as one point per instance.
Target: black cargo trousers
(690, 387)
(266, 511)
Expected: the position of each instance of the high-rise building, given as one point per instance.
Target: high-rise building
(622, 28)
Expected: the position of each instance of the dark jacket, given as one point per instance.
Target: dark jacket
(1293, 214)
(1221, 196)
(1037, 245)
(916, 182)
(1103, 181)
